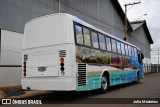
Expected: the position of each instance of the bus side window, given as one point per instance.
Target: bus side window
(94, 39)
(108, 43)
(130, 51)
(126, 49)
(122, 48)
(87, 39)
(135, 52)
(101, 41)
(114, 47)
(79, 36)
(119, 47)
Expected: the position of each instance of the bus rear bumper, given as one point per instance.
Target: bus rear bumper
(49, 83)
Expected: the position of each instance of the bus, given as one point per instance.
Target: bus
(64, 53)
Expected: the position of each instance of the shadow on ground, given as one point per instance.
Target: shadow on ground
(76, 97)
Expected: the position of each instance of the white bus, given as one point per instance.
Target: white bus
(63, 53)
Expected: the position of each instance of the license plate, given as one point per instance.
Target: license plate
(42, 69)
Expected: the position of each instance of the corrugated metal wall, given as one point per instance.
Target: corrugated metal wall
(11, 57)
(100, 13)
(15, 13)
(139, 38)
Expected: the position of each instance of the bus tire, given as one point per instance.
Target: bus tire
(138, 78)
(104, 84)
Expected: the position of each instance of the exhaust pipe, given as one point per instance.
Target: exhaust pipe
(28, 88)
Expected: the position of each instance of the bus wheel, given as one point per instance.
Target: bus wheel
(138, 79)
(104, 84)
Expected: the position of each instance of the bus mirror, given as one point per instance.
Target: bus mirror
(142, 56)
(138, 56)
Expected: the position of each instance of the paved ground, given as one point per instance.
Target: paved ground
(149, 87)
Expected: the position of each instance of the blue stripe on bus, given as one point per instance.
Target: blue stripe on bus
(116, 77)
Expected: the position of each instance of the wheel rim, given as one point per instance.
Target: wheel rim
(104, 83)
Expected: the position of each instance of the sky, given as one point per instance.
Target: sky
(152, 9)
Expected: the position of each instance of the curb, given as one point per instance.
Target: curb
(151, 75)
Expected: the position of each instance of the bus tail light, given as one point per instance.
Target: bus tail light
(62, 60)
(62, 66)
(24, 65)
(24, 69)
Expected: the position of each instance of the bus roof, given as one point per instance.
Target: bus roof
(75, 19)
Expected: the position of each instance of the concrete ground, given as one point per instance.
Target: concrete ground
(16, 92)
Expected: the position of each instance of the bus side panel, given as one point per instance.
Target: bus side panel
(137, 65)
(93, 72)
(116, 77)
(120, 77)
(127, 74)
(121, 70)
(93, 78)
